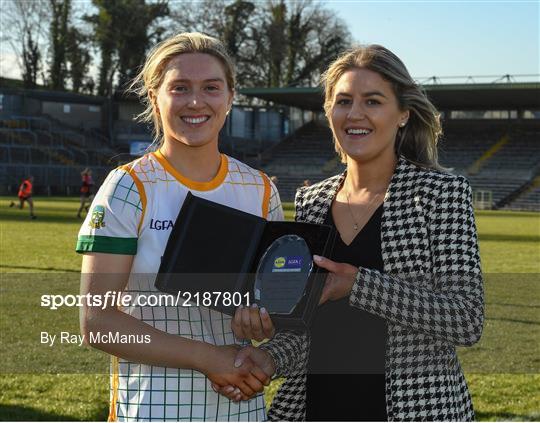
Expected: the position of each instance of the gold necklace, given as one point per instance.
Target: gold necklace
(367, 209)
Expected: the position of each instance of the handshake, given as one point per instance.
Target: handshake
(240, 373)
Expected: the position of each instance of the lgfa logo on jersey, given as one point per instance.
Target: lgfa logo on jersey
(161, 225)
(97, 219)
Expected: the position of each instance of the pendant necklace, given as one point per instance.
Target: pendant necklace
(368, 207)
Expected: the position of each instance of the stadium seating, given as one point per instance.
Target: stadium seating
(529, 201)
(52, 152)
(501, 158)
(501, 166)
(304, 155)
(459, 149)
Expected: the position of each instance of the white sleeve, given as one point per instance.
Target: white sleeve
(112, 223)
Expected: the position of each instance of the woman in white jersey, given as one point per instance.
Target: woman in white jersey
(166, 358)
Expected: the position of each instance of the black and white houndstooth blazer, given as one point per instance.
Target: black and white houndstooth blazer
(430, 294)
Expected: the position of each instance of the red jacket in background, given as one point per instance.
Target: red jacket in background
(25, 190)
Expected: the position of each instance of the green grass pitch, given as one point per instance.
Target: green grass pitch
(38, 257)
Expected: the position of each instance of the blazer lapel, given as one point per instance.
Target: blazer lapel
(403, 223)
(319, 199)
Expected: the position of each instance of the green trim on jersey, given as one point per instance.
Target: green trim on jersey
(106, 244)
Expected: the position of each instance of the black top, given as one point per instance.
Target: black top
(347, 352)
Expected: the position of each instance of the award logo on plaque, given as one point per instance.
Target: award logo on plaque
(282, 274)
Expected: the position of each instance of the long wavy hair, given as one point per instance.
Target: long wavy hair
(416, 141)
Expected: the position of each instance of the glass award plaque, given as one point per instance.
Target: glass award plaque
(282, 274)
(270, 261)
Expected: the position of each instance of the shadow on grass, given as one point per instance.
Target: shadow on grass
(507, 213)
(525, 322)
(20, 413)
(509, 238)
(289, 207)
(40, 218)
(506, 417)
(54, 269)
(513, 305)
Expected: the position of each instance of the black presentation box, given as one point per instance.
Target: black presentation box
(213, 247)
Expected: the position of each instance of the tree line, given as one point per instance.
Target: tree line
(97, 47)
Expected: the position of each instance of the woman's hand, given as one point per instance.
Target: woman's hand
(340, 279)
(241, 380)
(252, 323)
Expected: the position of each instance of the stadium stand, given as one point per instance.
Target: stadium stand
(309, 154)
(510, 169)
(53, 153)
(491, 135)
(528, 198)
(501, 157)
(460, 147)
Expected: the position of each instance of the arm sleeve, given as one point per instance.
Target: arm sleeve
(449, 307)
(275, 209)
(112, 223)
(289, 350)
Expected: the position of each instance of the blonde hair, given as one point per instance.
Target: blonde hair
(416, 141)
(151, 75)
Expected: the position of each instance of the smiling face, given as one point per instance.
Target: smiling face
(193, 99)
(365, 115)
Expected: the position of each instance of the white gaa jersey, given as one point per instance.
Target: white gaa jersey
(133, 213)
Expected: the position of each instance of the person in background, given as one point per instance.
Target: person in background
(25, 195)
(87, 187)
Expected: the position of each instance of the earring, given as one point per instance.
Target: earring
(155, 108)
(402, 124)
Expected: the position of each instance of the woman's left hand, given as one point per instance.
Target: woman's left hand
(340, 279)
(252, 323)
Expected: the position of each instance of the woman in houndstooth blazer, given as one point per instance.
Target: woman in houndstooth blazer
(429, 291)
(430, 295)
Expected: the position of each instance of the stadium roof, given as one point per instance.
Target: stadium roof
(55, 96)
(494, 96)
